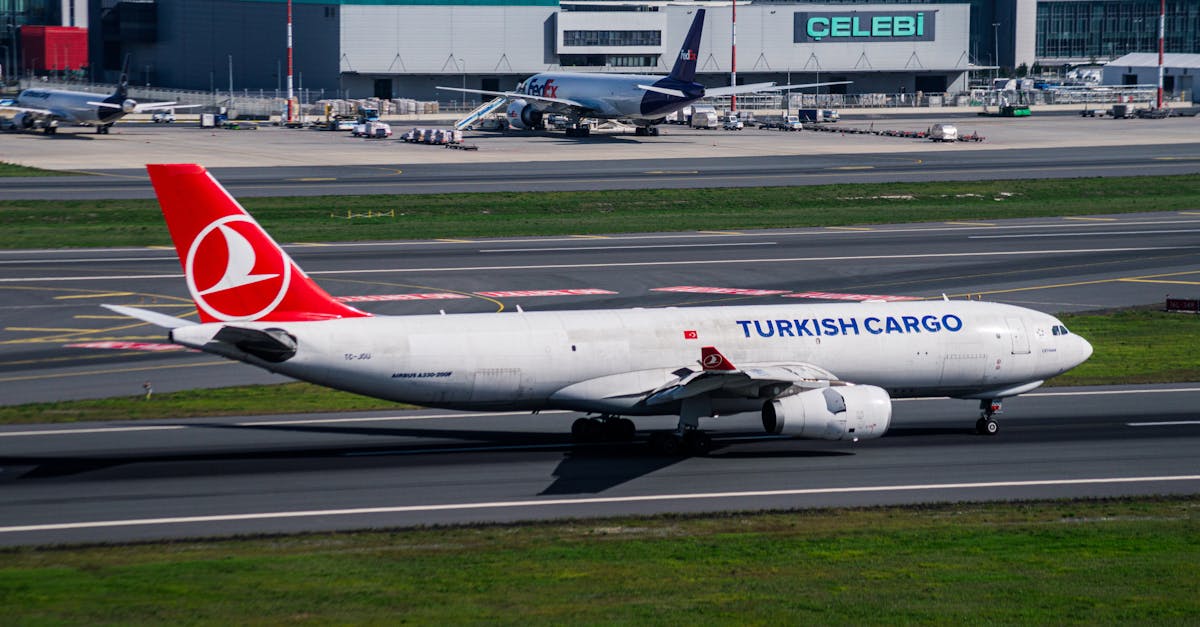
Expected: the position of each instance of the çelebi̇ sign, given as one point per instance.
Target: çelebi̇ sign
(812, 27)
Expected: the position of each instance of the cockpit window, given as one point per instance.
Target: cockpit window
(1059, 329)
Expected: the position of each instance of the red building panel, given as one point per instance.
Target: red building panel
(53, 48)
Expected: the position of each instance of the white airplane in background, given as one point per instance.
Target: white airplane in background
(640, 98)
(48, 108)
(825, 371)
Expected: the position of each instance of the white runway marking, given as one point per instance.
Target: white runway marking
(1078, 234)
(399, 509)
(13, 434)
(627, 247)
(1163, 424)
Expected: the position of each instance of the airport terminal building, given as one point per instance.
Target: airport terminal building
(404, 48)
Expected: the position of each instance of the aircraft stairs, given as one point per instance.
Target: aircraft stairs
(478, 113)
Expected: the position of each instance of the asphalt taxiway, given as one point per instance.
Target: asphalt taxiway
(276, 161)
(52, 344)
(168, 479)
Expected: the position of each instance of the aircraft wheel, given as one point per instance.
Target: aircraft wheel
(583, 430)
(697, 442)
(620, 430)
(667, 444)
(987, 426)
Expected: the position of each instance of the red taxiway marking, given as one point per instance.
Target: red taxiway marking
(837, 296)
(130, 346)
(692, 289)
(518, 293)
(381, 298)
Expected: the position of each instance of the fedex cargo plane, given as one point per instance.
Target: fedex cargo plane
(826, 371)
(643, 99)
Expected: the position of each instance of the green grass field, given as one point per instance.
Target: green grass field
(1055, 563)
(1134, 346)
(12, 169)
(54, 224)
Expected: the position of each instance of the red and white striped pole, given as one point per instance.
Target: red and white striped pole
(733, 58)
(1162, 32)
(290, 112)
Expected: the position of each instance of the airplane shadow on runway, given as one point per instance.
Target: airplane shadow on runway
(584, 468)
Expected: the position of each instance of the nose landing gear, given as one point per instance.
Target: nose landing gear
(987, 425)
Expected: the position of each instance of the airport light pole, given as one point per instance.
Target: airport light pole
(290, 94)
(995, 50)
(462, 67)
(1162, 34)
(732, 57)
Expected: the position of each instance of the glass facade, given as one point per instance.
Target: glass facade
(17, 13)
(608, 60)
(1103, 30)
(612, 38)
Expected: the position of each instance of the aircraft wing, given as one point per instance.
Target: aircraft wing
(763, 87)
(715, 377)
(513, 95)
(764, 381)
(48, 113)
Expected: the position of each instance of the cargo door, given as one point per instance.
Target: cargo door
(1020, 339)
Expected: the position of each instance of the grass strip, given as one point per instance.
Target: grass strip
(1061, 562)
(12, 169)
(245, 400)
(1131, 346)
(1139, 345)
(60, 224)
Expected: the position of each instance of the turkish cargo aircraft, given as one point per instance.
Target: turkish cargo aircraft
(48, 108)
(825, 371)
(639, 98)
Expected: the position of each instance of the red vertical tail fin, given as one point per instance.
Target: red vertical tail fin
(234, 270)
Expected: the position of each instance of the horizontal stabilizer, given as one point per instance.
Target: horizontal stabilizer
(273, 345)
(158, 319)
(663, 90)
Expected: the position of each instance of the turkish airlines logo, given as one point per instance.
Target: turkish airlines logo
(226, 276)
(712, 360)
(687, 55)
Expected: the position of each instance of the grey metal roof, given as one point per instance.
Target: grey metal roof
(1150, 59)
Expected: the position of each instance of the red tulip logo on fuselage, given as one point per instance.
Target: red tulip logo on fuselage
(235, 272)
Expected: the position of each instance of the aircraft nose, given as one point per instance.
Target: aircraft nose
(1084, 349)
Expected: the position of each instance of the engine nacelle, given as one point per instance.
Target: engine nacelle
(833, 413)
(129, 106)
(521, 114)
(23, 120)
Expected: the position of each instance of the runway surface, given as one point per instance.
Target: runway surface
(51, 343)
(921, 163)
(123, 481)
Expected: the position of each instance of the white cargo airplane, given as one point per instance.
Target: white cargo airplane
(825, 371)
(48, 108)
(640, 98)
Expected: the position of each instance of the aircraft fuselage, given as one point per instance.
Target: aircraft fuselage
(601, 361)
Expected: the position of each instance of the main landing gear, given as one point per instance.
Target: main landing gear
(987, 425)
(102, 129)
(603, 429)
(688, 438)
(646, 131)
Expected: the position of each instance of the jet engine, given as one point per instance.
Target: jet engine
(852, 412)
(129, 106)
(23, 120)
(521, 114)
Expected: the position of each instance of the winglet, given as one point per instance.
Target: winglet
(712, 359)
